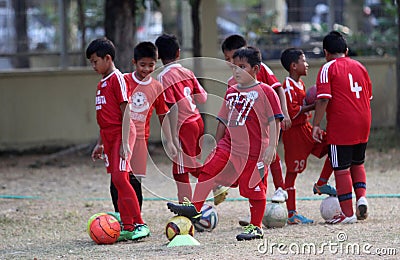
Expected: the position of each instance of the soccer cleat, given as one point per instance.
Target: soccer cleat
(244, 221)
(341, 218)
(187, 209)
(361, 209)
(250, 232)
(141, 231)
(280, 195)
(299, 219)
(125, 235)
(324, 189)
(220, 193)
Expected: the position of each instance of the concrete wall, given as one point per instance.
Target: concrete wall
(45, 108)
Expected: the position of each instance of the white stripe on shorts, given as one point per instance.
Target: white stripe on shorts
(334, 156)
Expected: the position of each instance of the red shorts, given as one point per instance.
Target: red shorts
(112, 139)
(189, 139)
(139, 158)
(299, 144)
(236, 170)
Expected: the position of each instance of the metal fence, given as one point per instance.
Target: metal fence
(55, 32)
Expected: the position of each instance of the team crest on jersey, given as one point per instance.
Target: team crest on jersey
(104, 84)
(139, 102)
(252, 95)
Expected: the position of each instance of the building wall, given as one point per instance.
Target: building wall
(44, 108)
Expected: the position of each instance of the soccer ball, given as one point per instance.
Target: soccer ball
(104, 229)
(208, 220)
(91, 220)
(329, 207)
(311, 95)
(178, 225)
(275, 215)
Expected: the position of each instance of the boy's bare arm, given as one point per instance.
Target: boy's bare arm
(98, 150)
(173, 120)
(286, 122)
(124, 150)
(166, 127)
(220, 131)
(270, 152)
(320, 108)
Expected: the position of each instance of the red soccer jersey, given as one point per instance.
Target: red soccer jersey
(111, 92)
(347, 84)
(247, 113)
(264, 75)
(182, 88)
(145, 96)
(295, 93)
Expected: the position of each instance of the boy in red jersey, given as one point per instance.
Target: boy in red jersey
(146, 94)
(182, 93)
(266, 75)
(111, 102)
(344, 92)
(298, 141)
(251, 116)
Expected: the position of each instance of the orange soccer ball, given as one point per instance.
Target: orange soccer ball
(104, 229)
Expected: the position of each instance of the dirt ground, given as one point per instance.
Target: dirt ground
(44, 209)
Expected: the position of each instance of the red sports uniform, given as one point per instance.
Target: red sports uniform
(267, 76)
(347, 84)
(182, 88)
(246, 113)
(145, 96)
(297, 140)
(111, 92)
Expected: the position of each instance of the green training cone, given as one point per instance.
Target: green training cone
(183, 240)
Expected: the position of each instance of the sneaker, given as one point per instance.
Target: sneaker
(244, 221)
(324, 189)
(251, 232)
(141, 231)
(361, 209)
(220, 193)
(341, 218)
(280, 195)
(299, 219)
(187, 209)
(125, 235)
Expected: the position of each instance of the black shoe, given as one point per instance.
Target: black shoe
(251, 232)
(187, 209)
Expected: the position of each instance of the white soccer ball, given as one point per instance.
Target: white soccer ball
(275, 215)
(330, 207)
(208, 220)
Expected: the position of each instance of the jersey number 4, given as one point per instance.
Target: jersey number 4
(354, 87)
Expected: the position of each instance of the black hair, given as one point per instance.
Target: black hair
(102, 47)
(145, 50)
(334, 42)
(233, 42)
(168, 46)
(250, 53)
(290, 55)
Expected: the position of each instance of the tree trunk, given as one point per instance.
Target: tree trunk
(20, 23)
(119, 28)
(195, 14)
(398, 75)
(82, 28)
